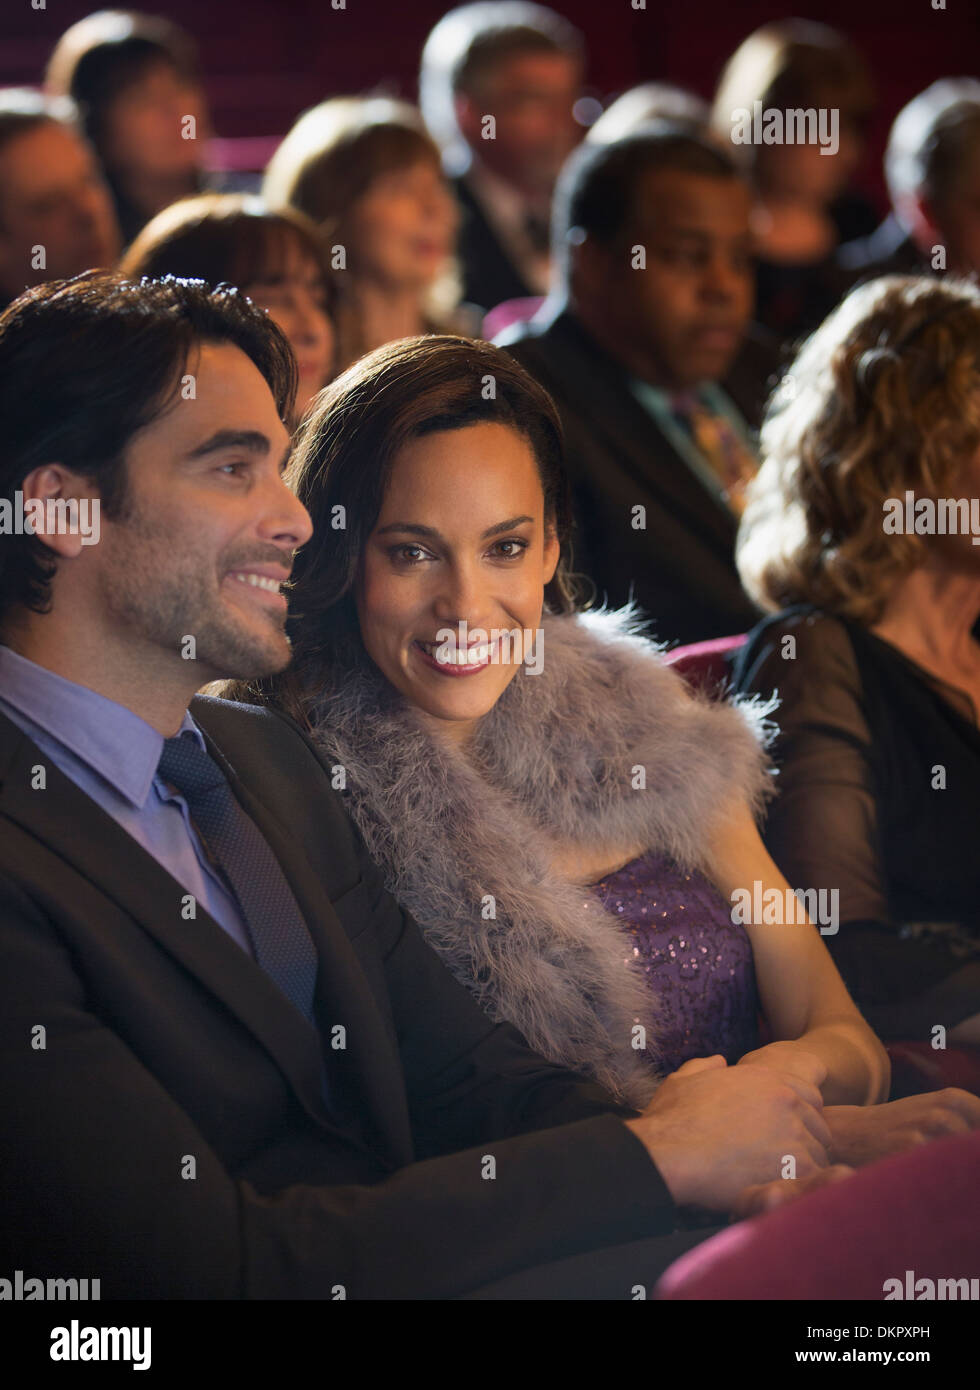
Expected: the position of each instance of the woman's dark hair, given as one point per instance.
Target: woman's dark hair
(84, 365)
(340, 470)
(230, 238)
(105, 53)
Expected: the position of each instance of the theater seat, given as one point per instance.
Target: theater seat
(916, 1067)
(914, 1214)
(706, 664)
(511, 311)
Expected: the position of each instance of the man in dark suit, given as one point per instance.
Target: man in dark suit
(497, 87)
(649, 316)
(229, 1065)
(932, 167)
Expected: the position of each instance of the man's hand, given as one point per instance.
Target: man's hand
(863, 1133)
(767, 1196)
(713, 1130)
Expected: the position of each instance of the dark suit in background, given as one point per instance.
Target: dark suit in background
(680, 569)
(489, 274)
(889, 250)
(170, 1137)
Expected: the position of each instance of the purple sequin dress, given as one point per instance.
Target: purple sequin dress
(681, 935)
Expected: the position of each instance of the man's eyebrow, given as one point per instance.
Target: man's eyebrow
(430, 533)
(252, 440)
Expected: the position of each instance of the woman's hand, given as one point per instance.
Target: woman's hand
(862, 1133)
(790, 1058)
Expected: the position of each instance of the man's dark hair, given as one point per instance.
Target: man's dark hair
(84, 365)
(471, 41)
(933, 140)
(596, 192)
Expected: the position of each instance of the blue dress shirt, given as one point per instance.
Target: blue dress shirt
(111, 754)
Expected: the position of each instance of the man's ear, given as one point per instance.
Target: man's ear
(57, 525)
(469, 118)
(588, 268)
(919, 215)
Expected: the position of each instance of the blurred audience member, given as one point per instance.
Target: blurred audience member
(136, 82)
(651, 307)
(275, 257)
(804, 204)
(872, 650)
(932, 165)
(368, 174)
(497, 88)
(651, 101)
(56, 216)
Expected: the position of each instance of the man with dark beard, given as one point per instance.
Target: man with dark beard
(229, 1065)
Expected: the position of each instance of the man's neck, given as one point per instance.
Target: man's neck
(143, 682)
(629, 355)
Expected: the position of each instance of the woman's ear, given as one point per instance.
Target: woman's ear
(552, 554)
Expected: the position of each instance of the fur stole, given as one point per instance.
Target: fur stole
(465, 843)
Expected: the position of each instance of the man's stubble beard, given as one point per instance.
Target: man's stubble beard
(164, 595)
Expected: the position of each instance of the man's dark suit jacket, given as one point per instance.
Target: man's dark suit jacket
(488, 273)
(681, 568)
(163, 1124)
(889, 250)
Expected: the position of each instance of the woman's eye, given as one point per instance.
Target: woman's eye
(409, 554)
(520, 547)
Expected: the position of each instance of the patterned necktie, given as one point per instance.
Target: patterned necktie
(280, 938)
(718, 441)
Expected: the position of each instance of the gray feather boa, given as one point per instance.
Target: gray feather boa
(556, 758)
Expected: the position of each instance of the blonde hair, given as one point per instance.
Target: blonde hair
(882, 399)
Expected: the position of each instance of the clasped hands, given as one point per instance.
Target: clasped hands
(720, 1135)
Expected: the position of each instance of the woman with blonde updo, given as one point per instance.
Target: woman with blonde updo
(863, 532)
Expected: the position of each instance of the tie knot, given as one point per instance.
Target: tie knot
(188, 768)
(685, 404)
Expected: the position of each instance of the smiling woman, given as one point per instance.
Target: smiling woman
(567, 834)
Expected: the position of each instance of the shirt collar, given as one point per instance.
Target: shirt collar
(110, 739)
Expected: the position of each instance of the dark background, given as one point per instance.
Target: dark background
(267, 60)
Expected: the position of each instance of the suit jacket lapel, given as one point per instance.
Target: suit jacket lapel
(642, 449)
(77, 829)
(342, 993)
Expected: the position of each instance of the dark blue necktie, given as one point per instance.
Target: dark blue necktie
(280, 938)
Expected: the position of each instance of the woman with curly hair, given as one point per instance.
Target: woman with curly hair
(863, 532)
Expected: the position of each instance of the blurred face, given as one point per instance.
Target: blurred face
(205, 486)
(801, 171)
(679, 321)
(459, 546)
(145, 125)
(402, 229)
(958, 220)
(295, 298)
(530, 97)
(52, 196)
